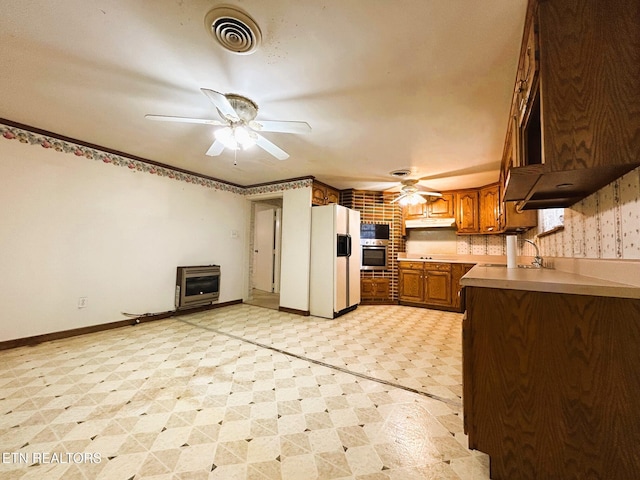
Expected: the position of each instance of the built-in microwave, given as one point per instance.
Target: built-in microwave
(374, 242)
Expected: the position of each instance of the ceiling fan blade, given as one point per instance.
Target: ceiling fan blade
(222, 103)
(399, 198)
(215, 149)
(280, 126)
(271, 148)
(430, 194)
(168, 118)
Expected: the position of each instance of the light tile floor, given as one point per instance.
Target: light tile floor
(242, 392)
(261, 298)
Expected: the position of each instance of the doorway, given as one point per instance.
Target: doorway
(265, 254)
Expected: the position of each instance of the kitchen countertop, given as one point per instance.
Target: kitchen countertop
(444, 258)
(545, 280)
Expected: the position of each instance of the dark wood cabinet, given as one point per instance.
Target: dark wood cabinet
(511, 219)
(441, 207)
(431, 284)
(467, 211)
(457, 272)
(437, 284)
(411, 212)
(375, 289)
(436, 207)
(551, 383)
(411, 282)
(483, 211)
(322, 194)
(489, 199)
(577, 101)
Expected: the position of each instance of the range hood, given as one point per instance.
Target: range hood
(431, 223)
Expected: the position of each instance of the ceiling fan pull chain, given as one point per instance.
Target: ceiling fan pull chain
(235, 157)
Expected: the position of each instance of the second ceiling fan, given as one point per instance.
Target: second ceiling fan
(239, 129)
(412, 193)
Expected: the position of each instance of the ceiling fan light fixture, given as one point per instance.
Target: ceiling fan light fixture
(234, 138)
(243, 137)
(411, 199)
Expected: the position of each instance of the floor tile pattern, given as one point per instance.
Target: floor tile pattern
(176, 399)
(415, 348)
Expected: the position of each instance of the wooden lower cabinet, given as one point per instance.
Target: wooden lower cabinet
(551, 383)
(374, 289)
(437, 284)
(411, 284)
(431, 284)
(457, 272)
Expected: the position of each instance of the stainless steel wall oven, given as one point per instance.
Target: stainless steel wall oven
(374, 242)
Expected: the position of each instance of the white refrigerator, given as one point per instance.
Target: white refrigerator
(335, 261)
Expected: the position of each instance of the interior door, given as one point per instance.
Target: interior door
(263, 247)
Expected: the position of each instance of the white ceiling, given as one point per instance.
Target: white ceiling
(385, 84)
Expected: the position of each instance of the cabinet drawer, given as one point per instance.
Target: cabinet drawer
(411, 265)
(442, 267)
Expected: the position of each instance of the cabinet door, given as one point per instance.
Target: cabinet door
(318, 194)
(489, 209)
(333, 196)
(437, 287)
(414, 211)
(367, 288)
(381, 288)
(457, 272)
(527, 75)
(467, 217)
(441, 207)
(374, 289)
(411, 285)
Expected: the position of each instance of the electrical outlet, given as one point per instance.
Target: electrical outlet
(83, 302)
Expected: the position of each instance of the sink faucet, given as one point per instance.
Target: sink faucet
(537, 260)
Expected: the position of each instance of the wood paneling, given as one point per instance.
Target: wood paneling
(590, 52)
(551, 384)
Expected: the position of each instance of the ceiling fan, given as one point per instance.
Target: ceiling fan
(412, 193)
(239, 127)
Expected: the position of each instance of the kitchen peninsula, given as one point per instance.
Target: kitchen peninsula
(550, 372)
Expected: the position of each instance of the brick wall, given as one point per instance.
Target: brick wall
(376, 207)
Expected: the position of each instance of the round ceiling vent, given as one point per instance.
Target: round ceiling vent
(236, 31)
(400, 173)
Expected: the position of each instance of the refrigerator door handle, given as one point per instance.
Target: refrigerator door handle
(348, 245)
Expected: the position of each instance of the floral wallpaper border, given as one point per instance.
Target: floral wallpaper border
(64, 146)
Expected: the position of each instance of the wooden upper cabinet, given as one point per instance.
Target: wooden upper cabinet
(436, 207)
(322, 194)
(576, 101)
(441, 207)
(528, 71)
(489, 209)
(467, 211)
(333, 195)
(414, 211)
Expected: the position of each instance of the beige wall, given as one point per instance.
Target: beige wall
(75, 227)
